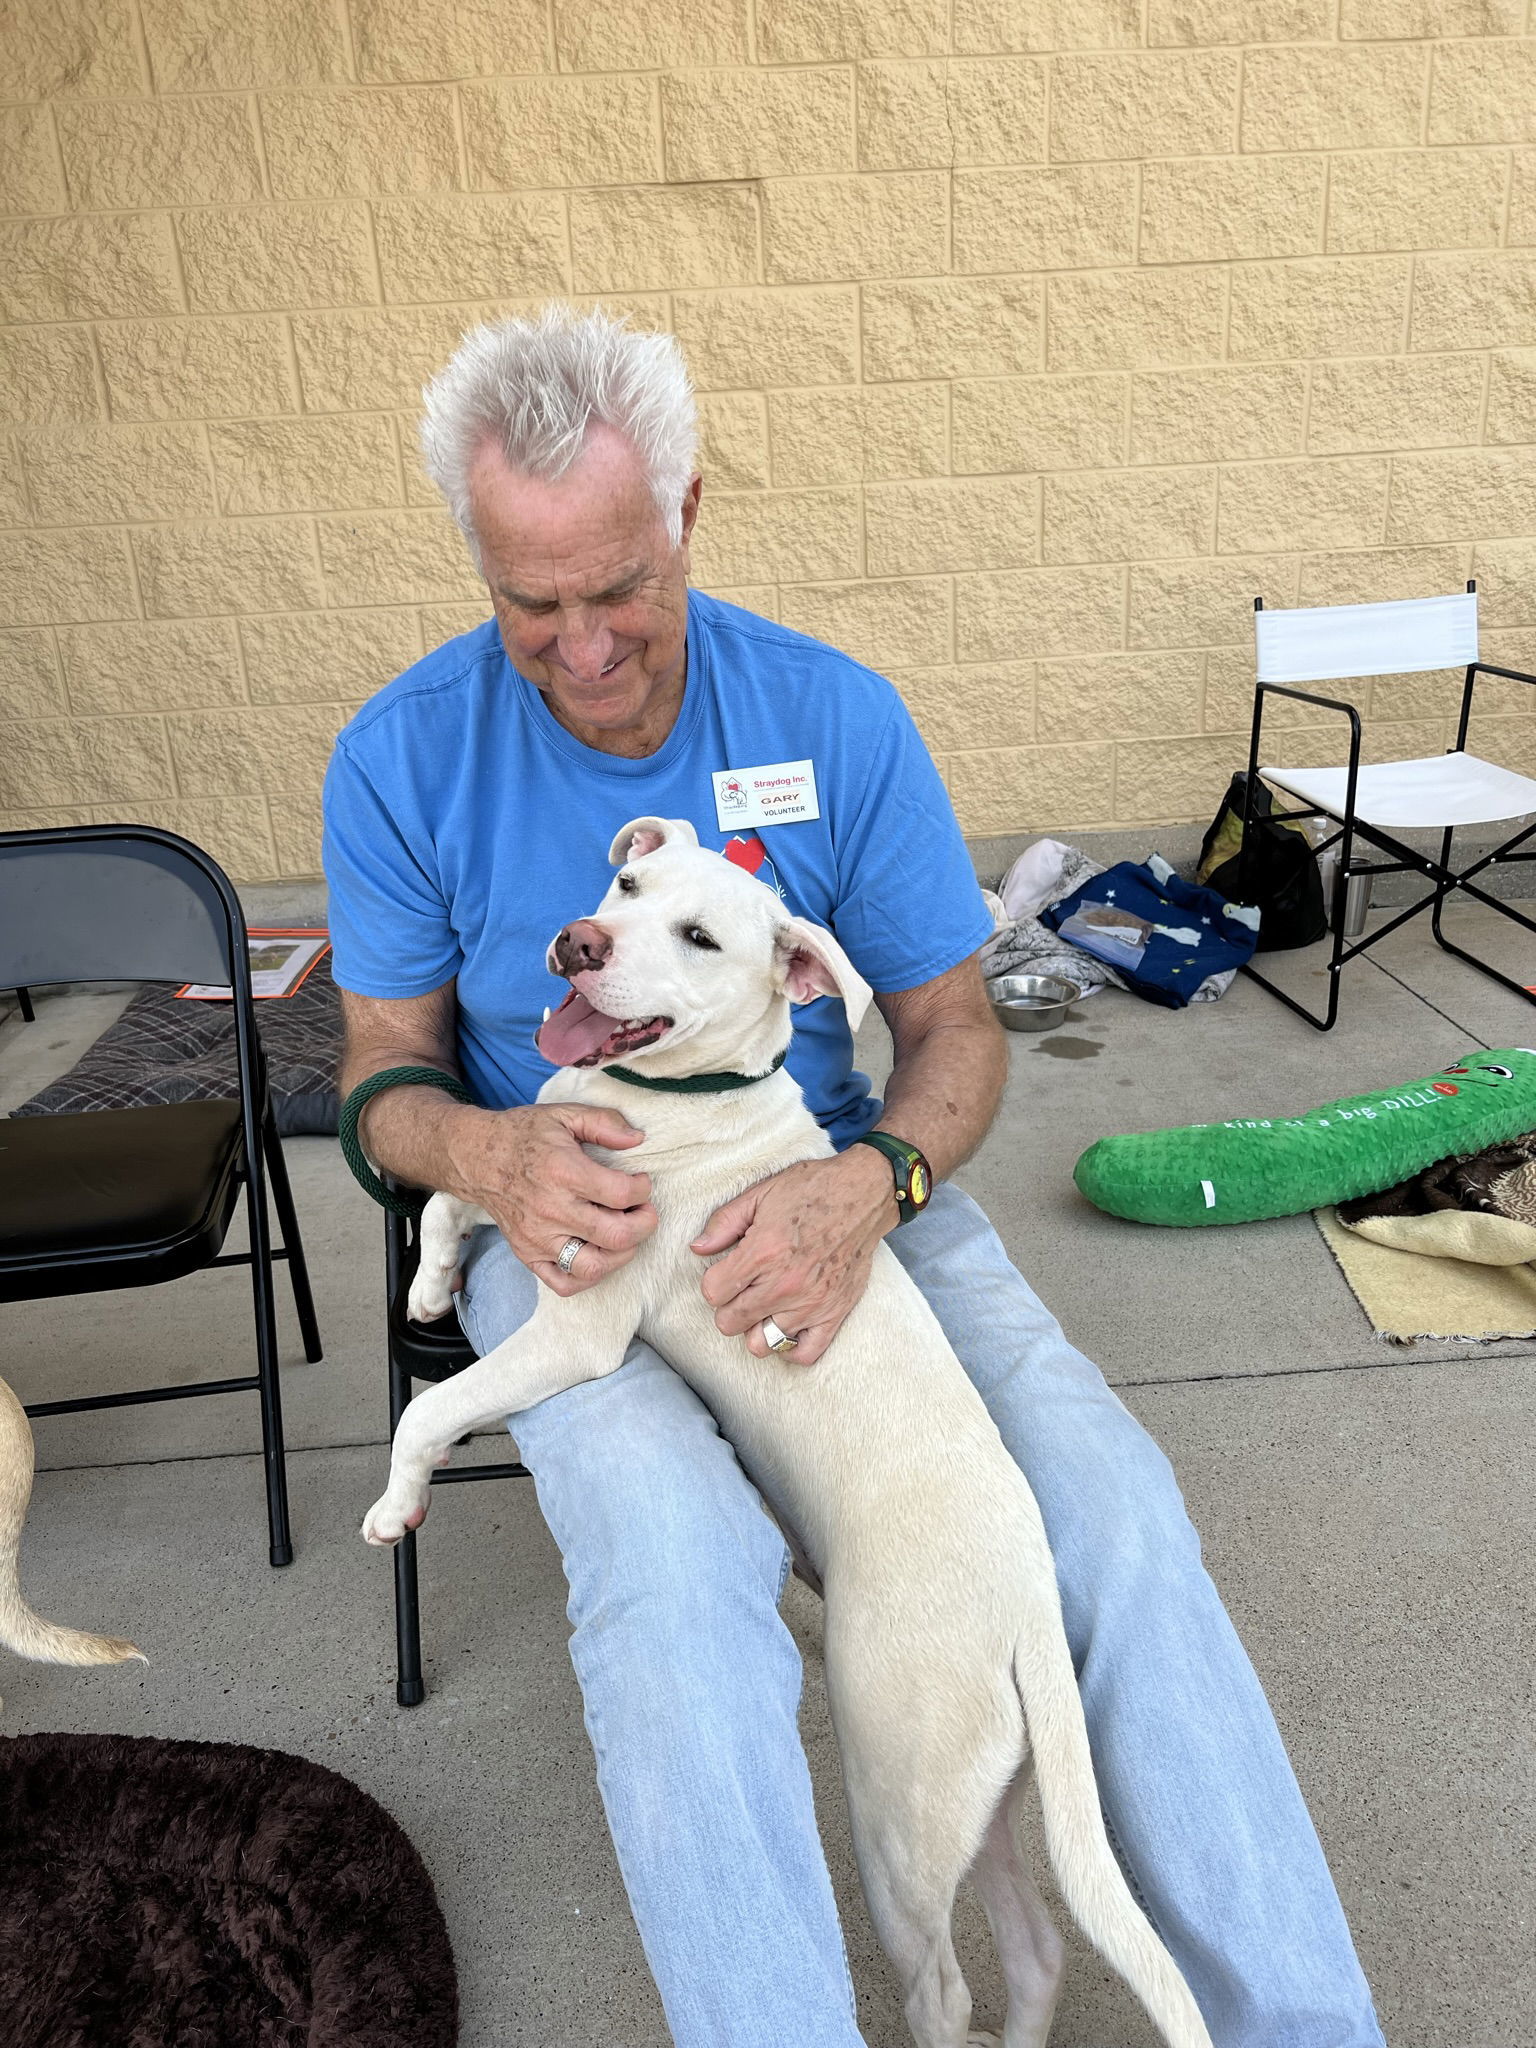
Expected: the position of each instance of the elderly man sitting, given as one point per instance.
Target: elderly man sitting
(469, 808)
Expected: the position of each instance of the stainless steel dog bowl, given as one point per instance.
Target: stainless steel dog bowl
(1032, 1002)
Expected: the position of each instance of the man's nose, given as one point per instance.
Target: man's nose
(586, 647)
(581, 946)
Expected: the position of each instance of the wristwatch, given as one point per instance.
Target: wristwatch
(914, 1176)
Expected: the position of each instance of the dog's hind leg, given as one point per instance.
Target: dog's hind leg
(921, 1791)
(1028, 1945)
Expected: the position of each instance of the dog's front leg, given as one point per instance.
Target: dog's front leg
(445, 1224)
(563, 1342)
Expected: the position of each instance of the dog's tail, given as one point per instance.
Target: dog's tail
(1091, 1880)
(21, 1629)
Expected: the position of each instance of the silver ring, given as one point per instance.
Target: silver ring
(775, 1338)
(568, 1252)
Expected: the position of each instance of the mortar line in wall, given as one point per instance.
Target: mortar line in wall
(201, 427)
(253, 104)
(399, 443)
(58, 155)
(61, 670)
(1429, 86)
(460, 143)
(1487, 397)
(658, 125)
(1507, 201)
(348, 40)
(177, 265)
(291, 342)
(99, 374)
(240, 663)
(141, 48)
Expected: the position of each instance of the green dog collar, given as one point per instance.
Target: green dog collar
(692, 1084)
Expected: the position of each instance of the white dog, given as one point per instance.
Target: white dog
(946, 1659)
(22, 1628)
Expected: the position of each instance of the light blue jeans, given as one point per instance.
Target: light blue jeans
(691, 1681)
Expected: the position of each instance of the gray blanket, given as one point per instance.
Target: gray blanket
(164, 1049)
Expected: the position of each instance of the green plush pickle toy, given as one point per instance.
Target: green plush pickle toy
(1253, 1167)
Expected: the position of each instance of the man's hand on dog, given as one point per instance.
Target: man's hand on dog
(526, 1169)
(798, 1248)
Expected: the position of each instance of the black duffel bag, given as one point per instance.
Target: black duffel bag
(1280, 876)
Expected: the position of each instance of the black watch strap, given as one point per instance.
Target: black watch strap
(914, 1176)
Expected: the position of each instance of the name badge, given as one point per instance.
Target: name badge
(784, 793)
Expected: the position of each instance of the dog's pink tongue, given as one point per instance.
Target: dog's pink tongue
(575, 1032)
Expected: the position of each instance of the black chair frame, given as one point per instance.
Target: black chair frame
(419, 1351)
(1405, 859)
(262, 1157)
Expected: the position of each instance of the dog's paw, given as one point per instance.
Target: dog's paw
(392, 1515)
(431, 1295)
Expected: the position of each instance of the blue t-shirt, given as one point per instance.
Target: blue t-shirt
(464, 826)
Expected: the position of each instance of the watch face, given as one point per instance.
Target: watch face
(918, 1185)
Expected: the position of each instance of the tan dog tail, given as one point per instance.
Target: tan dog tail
(21, 1629)
(1091, 1880)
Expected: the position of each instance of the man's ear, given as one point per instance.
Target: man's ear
(643, 835)
(808, 963)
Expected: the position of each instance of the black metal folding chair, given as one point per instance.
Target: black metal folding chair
(132, 1197)
(1377, 801)
(419, 1351)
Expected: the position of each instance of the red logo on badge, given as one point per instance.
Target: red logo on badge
(1445, 1087)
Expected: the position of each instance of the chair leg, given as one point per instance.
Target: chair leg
(410, 1688)
(1335, 969)
(288, 1223)
(24, 999)
(1446, 945)
(280, 1536)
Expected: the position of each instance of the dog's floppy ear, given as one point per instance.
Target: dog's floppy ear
(809, 963)
(643, 835)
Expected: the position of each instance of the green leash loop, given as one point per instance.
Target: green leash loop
(400, 1204)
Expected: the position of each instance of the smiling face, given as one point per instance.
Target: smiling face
(1480, 1072)
(689, 962)
(590, 594)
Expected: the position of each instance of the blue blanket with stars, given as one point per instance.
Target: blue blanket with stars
(1162, 935)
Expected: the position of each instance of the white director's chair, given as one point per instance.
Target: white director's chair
(1445, 793)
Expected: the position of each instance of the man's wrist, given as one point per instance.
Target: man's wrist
(869, 1171)
(462, 1137)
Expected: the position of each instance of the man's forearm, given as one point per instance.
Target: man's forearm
(943, 1092)
(416, 1133)
(408, 1131)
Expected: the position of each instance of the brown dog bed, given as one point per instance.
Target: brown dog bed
(205, 1895)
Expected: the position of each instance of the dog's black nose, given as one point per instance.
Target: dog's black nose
(581, 946)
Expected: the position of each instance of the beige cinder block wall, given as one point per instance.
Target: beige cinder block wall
(1033, 337)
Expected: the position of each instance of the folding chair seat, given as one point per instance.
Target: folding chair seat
(1375, 801)
(87, 1199)
(133, 1197)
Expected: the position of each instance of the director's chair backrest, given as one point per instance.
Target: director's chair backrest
(1327, 643)
(115, 903)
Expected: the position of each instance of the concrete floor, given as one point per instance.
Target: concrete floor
(1366, 1510)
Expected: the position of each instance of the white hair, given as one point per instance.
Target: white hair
(537, 387)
